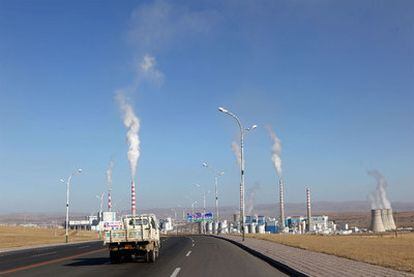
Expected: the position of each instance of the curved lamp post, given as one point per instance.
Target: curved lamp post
(79, 171)
(217, 174)
(242, 132)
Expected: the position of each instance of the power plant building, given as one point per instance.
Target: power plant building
(319, 225)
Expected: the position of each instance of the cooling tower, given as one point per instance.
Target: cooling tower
(384, 217)
(390, 217)
(282, 205)
(376, 222)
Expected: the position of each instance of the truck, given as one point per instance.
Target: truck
(138, 237)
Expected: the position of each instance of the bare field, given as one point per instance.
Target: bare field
(385, 250)
(11, 236)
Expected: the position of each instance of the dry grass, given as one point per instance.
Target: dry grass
(386, 250)
(11, 236)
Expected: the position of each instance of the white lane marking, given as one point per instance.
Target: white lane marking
(193, 245)
(175, 273)
(44, 254)
(81, 247)
(188, 254)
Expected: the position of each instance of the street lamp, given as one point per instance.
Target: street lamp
(204, 197)
(217, 174)
(79, 171)
(204, 206)
(182, 210)
(242, 132)
(192, 206)
(100, 199)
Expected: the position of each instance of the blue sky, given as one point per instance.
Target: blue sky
(334, 80)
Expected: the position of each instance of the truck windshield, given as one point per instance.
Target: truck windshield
(138, 221)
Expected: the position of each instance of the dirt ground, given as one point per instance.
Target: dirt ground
(15, 236)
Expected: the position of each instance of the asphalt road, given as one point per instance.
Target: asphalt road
(179, 257)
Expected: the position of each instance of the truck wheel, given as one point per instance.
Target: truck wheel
(114, 257)
(152, 256)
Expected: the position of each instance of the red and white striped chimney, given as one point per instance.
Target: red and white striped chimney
(109, 201)
(133, 207)
(308, 209)
(282, 204)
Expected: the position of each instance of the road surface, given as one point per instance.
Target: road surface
(179, 257)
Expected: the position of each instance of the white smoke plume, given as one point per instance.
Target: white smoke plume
(379, 198)
(161, 25)
(251, 197)
(148, 70)
(132, 123)
(235, 147)
(276, 151)
(109, 174)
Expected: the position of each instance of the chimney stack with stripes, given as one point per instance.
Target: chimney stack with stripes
(133, 207)
(282, 205)
(109, 201)
(308, 210)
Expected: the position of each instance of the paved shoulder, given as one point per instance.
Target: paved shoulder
(314, 263)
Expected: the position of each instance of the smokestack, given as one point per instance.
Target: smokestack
(133, 207)
(132, 123)
(277, 163)
(377, 225)
(282, 204)
(109, 183)
(385, 222)
(308, 209)
(236, 218)
(109, 201)
(391, 222)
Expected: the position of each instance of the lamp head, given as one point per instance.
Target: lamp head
(251, 128)
(223, 110)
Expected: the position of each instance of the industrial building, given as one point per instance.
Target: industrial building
(100, 222)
